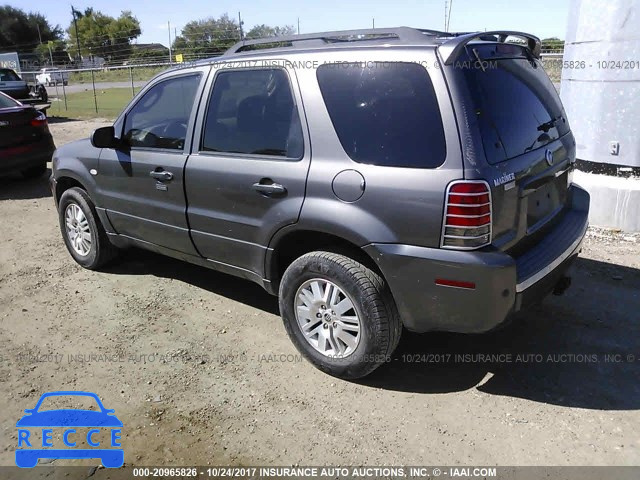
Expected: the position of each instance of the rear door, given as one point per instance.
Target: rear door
(519, 138)
(247, 173)
(141, 184)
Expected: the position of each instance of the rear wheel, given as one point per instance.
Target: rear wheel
(82, 231)
(339, 314)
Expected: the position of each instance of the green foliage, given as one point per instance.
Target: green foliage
(19, 30)
(58, 52)
(102, 35)
(207, 37)
(552, 44)
(263, 31)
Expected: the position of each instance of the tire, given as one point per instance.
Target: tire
(34, 172)
(379, 326)
(99, 250)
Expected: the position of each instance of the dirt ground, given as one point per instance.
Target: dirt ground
(198, 367)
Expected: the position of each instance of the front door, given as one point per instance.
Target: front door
(141, 184)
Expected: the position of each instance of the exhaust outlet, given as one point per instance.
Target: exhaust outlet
(562, 285)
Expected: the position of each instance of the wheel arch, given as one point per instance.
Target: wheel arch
(289, 244)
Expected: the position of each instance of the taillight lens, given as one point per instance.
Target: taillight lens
(39, 121)
(467, 215)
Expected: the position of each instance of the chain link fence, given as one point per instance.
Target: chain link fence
(105, 91)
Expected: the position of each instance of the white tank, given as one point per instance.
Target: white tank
(600, 86)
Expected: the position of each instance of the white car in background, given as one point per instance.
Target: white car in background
(51, 76)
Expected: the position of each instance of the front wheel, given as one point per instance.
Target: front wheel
(83, 234)
(339, 314)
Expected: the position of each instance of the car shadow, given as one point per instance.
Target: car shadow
(143, 262)
(571, 351)
(16, 187)
(578, 350)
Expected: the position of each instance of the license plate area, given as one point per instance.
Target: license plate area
(546, 202)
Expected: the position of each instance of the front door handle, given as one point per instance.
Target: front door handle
(162, 175)
(270, 189)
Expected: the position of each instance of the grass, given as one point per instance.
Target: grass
(117, 75)
(82, 104)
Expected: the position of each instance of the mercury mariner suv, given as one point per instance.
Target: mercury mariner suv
(374, 180)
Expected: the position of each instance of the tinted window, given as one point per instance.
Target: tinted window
(384, 113)
(253, 111)
(514, 102)
(6, 102)
(7, 75)
(160, 118)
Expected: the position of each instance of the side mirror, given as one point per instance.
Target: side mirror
(104, 137)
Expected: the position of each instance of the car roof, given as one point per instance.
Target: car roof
(449, 43)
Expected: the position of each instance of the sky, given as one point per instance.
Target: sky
(544, 18)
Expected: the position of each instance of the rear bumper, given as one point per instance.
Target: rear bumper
(503, 284)
(26, 156)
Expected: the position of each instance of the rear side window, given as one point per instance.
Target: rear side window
(384, 113)
(253, 112)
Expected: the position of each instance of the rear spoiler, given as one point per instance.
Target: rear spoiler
(451, 49)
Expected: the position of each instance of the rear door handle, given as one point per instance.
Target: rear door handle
(162, 175)
(270, 189)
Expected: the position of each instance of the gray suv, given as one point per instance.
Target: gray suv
(372, 179)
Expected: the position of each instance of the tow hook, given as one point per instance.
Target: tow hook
(562, 285)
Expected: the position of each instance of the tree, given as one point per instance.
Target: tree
(56, 51)
(104, 36)
(207, 37)
(552, 44)
(19, 30)
(263, 31)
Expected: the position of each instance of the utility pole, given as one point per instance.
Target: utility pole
(39, 36)
(240, 23)
(170, 54)
(75, 24)
(445, 14)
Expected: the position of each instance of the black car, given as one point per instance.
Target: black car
(26, 144)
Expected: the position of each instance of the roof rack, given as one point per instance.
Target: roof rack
(450, 49)
(404, 34)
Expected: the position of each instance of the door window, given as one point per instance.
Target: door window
(253, 112)
(160, 118)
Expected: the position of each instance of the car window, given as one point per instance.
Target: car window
(384, 113)
(68, 402)
(6, 102)
(253, 112)
(159, 119)
(7, 75)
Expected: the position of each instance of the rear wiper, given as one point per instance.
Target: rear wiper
(546, 126)
(477, 55)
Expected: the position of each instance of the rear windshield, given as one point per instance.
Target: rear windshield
(384, 113)
(6, 102)
(516, 105)
(7, 75)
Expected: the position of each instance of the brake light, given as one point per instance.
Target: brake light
(467, 215)
(39, 121)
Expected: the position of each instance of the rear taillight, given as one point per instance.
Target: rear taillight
(467, 215)
(39, 121)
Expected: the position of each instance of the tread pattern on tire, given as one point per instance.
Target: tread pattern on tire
(388, 327)
(106, 250)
